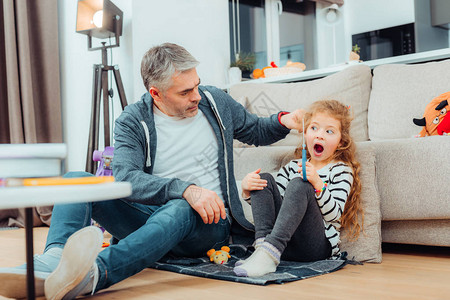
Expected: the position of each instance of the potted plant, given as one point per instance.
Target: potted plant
(245, 61)
(354, 54)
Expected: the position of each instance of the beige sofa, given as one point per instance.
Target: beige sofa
(406, 180)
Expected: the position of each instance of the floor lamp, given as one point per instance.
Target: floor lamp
(101, 19)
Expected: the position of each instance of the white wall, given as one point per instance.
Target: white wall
(357, 16)
(200, 26)
(368, 15)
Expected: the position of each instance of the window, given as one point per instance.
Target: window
(271, 29)
(248, 30)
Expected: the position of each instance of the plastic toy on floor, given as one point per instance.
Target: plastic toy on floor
(219, 257)
(105, 158)
(436, 119)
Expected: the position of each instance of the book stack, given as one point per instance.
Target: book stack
(31, 160)
(30, 175)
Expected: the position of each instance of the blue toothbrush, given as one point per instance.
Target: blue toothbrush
(304, 153)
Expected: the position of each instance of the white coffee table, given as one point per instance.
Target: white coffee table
(29, 197)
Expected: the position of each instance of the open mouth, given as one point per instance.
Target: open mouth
(318, 148)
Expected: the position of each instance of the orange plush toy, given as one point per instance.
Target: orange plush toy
(436, 119)
(219, 257)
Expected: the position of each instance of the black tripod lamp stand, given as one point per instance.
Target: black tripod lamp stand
(101, 19)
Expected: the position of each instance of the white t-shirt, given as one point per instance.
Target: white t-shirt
(177, 156)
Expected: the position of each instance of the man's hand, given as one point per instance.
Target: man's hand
(206, 203)
(293, 120)
(252, 182)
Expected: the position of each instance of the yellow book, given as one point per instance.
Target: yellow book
(56, 181)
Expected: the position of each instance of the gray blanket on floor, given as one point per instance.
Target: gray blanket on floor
(287, 271)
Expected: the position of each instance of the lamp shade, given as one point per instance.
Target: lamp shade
(99, 18)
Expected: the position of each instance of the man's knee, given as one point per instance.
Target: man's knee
(175, 218)
(180, 204)
(179, 209)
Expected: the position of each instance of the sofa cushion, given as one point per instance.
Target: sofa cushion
(414, 178)
(350, 86)
(368, 246)
(269, 159)
(401, 93)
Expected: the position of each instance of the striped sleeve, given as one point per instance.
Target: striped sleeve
(332, 200)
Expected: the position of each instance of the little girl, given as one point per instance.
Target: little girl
(301, 221)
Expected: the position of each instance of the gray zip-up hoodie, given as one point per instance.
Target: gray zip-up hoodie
(135, 147)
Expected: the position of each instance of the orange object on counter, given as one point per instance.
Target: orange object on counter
(258, 73)
(268, 67)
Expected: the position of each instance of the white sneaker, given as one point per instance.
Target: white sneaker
(86, 286)
(13, 281)
(77, 262)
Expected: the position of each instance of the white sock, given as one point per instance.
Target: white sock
(258, 242)
(48, 261)
(55, 252)
(263, 261)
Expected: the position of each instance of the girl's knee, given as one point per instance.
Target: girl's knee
(299, 186)
(267, 176)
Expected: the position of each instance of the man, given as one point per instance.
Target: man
(175, 146)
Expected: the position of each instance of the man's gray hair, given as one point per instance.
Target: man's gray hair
(161, 62)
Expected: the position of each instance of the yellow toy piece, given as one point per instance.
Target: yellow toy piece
(219, 257)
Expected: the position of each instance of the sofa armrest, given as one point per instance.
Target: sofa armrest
(413, 177)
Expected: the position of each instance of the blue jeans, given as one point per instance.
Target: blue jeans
(145, 232)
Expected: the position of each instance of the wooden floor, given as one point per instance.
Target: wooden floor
(407, 272)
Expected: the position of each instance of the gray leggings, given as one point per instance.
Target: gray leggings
(294, 225)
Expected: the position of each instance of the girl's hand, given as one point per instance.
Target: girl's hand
(252, 182)
(311, 175)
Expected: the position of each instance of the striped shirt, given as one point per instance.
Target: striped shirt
(331, 201)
